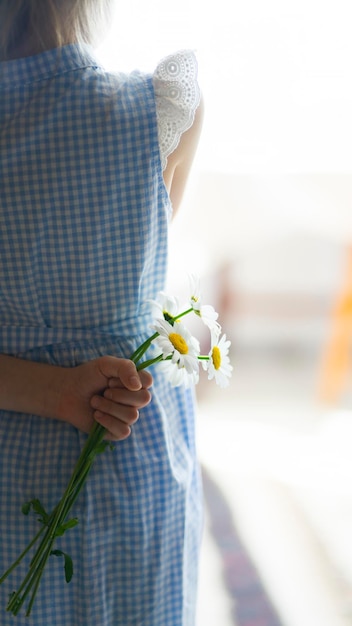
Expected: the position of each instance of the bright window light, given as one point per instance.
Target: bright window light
(276, 76)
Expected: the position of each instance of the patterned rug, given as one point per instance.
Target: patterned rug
(251, 605)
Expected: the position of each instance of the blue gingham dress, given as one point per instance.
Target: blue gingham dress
(84, 217)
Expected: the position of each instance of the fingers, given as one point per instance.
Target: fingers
(121, 403)
(126, 392)
(121, 369)
(117, 429)
(118, 409)
(145, 378)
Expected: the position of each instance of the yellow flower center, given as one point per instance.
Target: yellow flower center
(216, 355)
(179, 343)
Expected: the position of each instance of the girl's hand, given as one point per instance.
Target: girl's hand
(108, 390)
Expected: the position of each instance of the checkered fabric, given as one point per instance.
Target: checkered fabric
(83, 246)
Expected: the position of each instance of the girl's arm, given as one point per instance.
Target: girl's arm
(108, 390)
(180, 161)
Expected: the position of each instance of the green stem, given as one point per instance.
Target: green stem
(31, 578)
(138, 353)
(69, 502)
(36, 585)
(177, 317)
(59, 515)
(22, 555)
(39, 561)
(145, 364)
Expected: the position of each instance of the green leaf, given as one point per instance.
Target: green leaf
(68, 564)
(71, 523)
(38, 508)
(26, 508)
(101, 447)
(98, 449)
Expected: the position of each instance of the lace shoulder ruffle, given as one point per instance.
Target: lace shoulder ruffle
(177, 96)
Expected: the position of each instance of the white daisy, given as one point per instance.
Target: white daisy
(218, 366)
(178, 375)
(205, 311)
(195, 292)
(167, 305)
(177, 342)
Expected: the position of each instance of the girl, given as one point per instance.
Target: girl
(92, 165)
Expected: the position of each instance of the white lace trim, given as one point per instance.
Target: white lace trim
(177, 96)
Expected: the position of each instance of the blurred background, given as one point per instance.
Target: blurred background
(267, 225)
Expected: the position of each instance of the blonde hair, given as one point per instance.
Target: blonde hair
(31, 26)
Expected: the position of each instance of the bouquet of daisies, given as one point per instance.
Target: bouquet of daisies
(178, 352)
